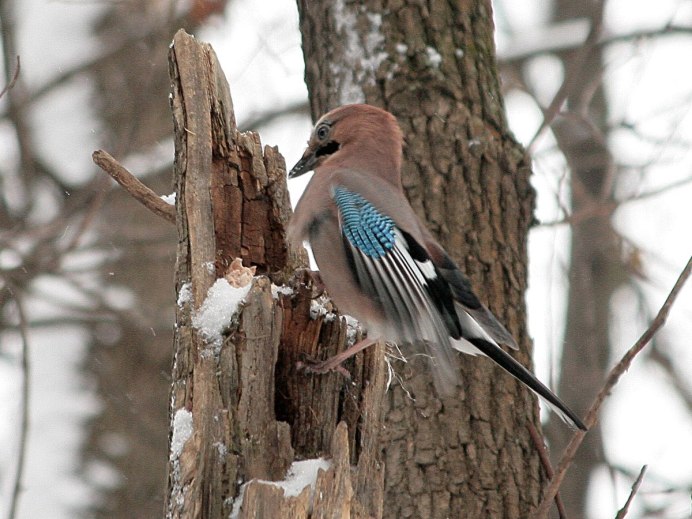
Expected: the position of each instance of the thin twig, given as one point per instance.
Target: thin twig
(91, 65)
(635, 488)
(559, 45)
(132, 185)
(28, 159)
(574, 69)
(608, 207)
(24, 430)
(545, 461)
(612, 379)
(88, 218)
(264, 118)
(9, 85)
(592, 210)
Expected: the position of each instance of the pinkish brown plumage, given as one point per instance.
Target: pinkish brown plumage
(379, 262)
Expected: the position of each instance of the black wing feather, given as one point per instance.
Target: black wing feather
(438, 288)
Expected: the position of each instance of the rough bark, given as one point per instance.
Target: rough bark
(251, 411)
(432, 64)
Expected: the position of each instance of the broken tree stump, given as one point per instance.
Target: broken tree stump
(241, 413)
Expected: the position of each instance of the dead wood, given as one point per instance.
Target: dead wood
(240, 411)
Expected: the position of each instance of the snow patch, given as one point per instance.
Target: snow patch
(182, 430)
(185, 294)
(218, 309)
(352, 327)
(283, 289)
(317, 309)
(433, 57)
(300, 475)
(169, 199)
(401, 48)
(322, 307)
(237, 503)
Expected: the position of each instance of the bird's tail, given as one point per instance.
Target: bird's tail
(514, 368)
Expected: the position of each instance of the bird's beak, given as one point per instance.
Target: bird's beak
(305, 164)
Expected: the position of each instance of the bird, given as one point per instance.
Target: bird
(378, 261)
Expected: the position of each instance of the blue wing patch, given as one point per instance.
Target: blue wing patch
(365, 227)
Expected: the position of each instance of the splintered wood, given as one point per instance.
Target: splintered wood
(241, 413)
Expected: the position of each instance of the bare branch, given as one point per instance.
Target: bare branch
(556, 45)
(13, 80)
(593, 210)
(24, 427)
(88, 218)
(91, 65)
(571, 74)
(608, 207)
(658, 191)
(255, 121)
(612, 379)
(132, 185)
(635, 487)
(17, 116)
(545, 461)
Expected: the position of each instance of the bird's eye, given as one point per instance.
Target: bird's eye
(322, 132)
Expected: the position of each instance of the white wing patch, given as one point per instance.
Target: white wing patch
(427, 268)
(471, 327)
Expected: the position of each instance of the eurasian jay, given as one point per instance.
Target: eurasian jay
(378, 261)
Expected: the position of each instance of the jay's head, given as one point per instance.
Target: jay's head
(356, 137)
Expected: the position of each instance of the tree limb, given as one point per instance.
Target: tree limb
(612, 379)
(554, 46)
(132, 185)
(635, 487)
(24, 428)
(257, 120)
(545, 461)
(13, 80)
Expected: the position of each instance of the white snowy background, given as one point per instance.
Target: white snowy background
(650, 82)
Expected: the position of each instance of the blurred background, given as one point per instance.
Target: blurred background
(86, 274)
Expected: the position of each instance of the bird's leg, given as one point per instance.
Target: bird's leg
(334, 363)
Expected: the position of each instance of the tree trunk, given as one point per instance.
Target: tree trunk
(433, 66)
(240, 410)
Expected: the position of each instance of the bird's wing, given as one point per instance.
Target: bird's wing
(393, 269)
(482, 322)
(424, 300)
(482, 333)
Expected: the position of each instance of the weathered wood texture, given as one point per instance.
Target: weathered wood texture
(252, 412)
(432, 64)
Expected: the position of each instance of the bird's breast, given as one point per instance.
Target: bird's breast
(317, 224)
